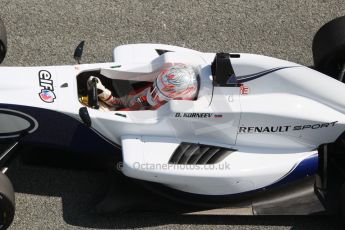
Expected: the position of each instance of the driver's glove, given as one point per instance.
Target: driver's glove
(103, 93)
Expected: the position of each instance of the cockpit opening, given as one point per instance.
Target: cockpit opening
(107, 90)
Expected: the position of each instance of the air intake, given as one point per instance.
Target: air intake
(197, 154)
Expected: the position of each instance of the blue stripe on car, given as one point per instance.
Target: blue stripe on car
(307, 167)
(250, 77)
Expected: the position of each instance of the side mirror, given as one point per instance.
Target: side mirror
(3, 41)
(78, 52)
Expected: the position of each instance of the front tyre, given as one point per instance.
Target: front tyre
(7, 202)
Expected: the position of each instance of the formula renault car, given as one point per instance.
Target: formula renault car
(262, 132)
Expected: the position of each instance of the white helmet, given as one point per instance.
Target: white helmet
(174, 82)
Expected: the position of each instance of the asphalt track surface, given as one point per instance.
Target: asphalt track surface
(46, 33)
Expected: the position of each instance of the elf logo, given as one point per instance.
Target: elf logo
(47, 89)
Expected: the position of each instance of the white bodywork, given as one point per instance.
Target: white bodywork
(273, 122)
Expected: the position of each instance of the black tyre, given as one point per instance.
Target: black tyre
(3, 41)
(342, 205)
(7, 202)
(329, 47)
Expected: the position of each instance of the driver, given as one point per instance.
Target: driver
(178, 81)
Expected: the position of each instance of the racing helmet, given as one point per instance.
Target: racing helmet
(178, 81)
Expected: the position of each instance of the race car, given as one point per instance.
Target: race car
(261, 132)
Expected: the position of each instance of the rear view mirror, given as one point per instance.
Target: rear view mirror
(78, 52)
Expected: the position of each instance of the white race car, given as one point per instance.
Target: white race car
(260, 129)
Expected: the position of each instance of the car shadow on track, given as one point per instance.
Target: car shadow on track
(82, 195)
